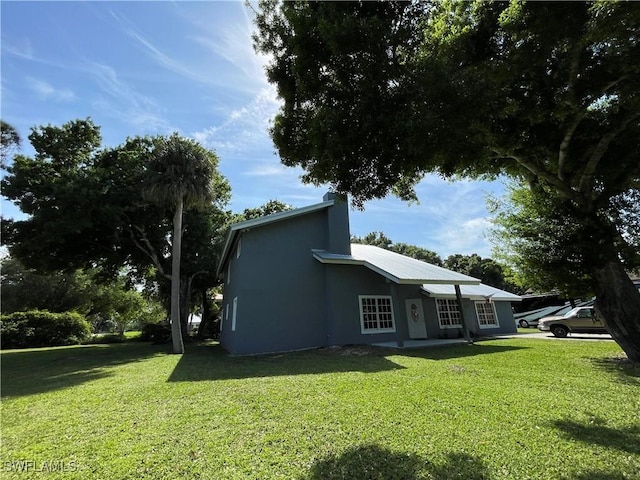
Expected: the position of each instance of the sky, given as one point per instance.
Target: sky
(154, 68)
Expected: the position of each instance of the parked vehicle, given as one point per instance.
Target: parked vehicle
(576, 320)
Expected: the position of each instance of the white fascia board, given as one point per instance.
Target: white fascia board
(335, 259)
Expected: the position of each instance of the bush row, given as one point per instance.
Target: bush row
(40, 328)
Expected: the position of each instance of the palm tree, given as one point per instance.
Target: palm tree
(181, 177)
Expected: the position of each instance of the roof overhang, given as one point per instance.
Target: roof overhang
(479, 292)
(395, 267)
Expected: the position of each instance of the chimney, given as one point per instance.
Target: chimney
(339, 240)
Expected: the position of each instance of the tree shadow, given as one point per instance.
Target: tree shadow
(211, 362)
(624, 439)
(28, 372)
(457, 351)
(626, 371)
(371, 462)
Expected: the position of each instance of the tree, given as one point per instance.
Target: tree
(486, 270)
(112, 226)
(376, 95)
(377, 239)
(269, 208)
(9, 140)
(25, 289)
(541, 243)
(182, 177)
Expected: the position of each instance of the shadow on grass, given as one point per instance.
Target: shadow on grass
(627, 372)
(373, 462)
(211, 362)
(625, 439)
(458, 351)
(28, 372)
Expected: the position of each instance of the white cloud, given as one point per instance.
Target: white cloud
(244, 129)
(121, 101)
(266, 170)
(47, 92)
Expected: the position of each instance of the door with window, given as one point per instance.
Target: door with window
(415, 318)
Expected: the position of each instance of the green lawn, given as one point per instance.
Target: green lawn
(518, 408)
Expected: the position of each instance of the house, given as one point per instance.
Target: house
(293, 281)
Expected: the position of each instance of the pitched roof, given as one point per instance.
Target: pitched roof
(397, 268)
(472, 292)
(238, 228)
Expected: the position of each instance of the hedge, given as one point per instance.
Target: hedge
(40, 328)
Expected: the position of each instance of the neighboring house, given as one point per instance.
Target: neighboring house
(293, 281)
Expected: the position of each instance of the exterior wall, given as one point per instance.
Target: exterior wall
(279, 288)
(504, 314)
(344, 283)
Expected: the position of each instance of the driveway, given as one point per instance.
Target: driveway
(571, 336)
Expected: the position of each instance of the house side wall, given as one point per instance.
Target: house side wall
(506, 322)
(279, 288)
(345, 283)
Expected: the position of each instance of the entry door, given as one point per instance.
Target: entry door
(415, 318)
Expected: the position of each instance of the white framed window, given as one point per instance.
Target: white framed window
(376, 314)
(229, 273)
(234, 314)
(448, 313)
(238, 248)
(224, 316)
(486, 314)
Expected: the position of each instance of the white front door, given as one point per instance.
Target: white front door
(415, 318)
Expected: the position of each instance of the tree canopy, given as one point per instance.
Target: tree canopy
(375, 95)
(86, 207)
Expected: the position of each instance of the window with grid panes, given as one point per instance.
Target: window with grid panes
(486, 315)
(376, 314)
(448, 313)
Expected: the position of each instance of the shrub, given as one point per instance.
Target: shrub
(40, 328)
(156, 332)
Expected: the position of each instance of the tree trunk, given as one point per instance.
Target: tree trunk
(176, 250)
(205, 321)
(618, 302)
(185, 304)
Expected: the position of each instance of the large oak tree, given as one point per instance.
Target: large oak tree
(376, 95)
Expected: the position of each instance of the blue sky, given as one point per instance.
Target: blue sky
(140, 68)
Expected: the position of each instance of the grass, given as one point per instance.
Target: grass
(503, 409)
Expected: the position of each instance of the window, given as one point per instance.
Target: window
(376, 314)
(448, 313)
(229, 273)
(234, 314)
(486, 315)
(238, 248)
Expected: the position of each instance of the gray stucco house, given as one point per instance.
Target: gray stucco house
(293, 281)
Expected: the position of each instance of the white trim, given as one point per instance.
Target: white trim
(378, 320)
(234, 314)
(484, 314)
